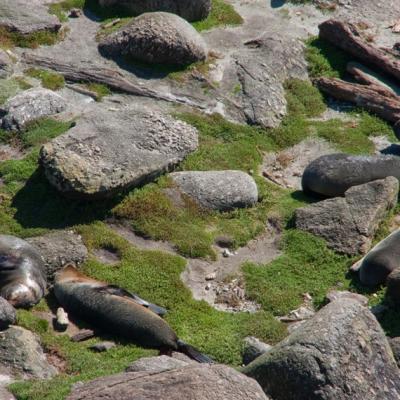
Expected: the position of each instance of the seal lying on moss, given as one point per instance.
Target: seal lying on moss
(119, 312)
(22, 272)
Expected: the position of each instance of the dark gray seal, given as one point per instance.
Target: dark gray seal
(331, 175)
(119, 312)
(381, 261)
(22, 272)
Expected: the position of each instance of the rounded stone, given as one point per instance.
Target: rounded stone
(218, 190)
(393, 287)
(191, 10)
(331, 175)
(381, 261)
(156, 38)
(8, 315)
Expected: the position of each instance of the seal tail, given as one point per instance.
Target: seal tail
(193, 353)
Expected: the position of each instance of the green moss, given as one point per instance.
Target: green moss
(61, 9)
(307, 266)
(155, 276)
(8, 88)
(50, 80)
(10, 39)
(100, 90)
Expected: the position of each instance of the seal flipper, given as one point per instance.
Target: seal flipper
(193, 353)
(118, 291)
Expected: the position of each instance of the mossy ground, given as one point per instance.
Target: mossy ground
(30, 206)
(10, 39)
(49, 80)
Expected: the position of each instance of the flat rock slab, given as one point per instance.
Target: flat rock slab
(20, 351)
(90, 162)
(30, 106)
(286, 167)
(349, 223)
(27, 16)
(156, 38)
(156, 364)
(218, 190)
(341, 353)
(191, 382)
(59, 248)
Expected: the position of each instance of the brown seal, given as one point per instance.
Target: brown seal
(119, 312)
(22, 272)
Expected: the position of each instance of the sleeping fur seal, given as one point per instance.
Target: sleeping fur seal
(384, 258)
(118, 311)
(22, 272)
(333, 174)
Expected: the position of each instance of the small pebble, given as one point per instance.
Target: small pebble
(211, 277)
(62, 320)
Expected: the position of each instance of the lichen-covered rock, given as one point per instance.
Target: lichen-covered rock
(156, 38)
(90, 162)
(194, 381)
(191, 10)
(8, 315)
(27, 16)
(341, 353)
(59, 248)
(333, 174)
(29, 106)
(6, 65)
(349, 223)
(20, 351)
(384, 258)
(218, 190)
(156, 364)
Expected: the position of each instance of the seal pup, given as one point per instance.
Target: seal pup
(120, 312)
(22, 272)
(384, 258)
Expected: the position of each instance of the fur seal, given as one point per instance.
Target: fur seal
(119, 312)
(22, 272)
(384, 258)
(331, 175)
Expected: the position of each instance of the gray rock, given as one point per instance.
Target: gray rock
(8, 315)
(376, 266)
(156, 38)
(62, 321)
(191, 10)
(341, 353)
(6, 65)
(333, 174)
(253, 348)
(29, 106)
(196, 381)
(344, 294)
(218, 190)
(349, 223)
(102, 346)
(59, 248)
(395, 346)
(6, 395)
(20, 351)
(27, 16)
(156, 364)
(89, 161)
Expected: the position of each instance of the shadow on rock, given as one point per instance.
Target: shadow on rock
(39, 205)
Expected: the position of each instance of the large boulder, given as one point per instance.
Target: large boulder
(253, 348)
(333, 174)
(191, 10)
(21, 353)
(218, 190)
(29, 106)
(156, 364)
(349, 223)
(193, 381)
(90, 162)
(27, 16)
(59, 248)
(384, 258)
(341, 353)
(156, 38)
(8, 315)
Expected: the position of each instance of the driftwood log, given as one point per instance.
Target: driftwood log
(346, 36)
(106, 76)
(386, 107)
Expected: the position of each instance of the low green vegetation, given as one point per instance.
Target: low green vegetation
(100, 90)
(61, 9)
(50, 80)
(10, 39)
